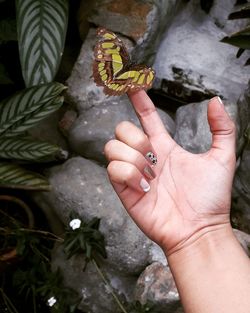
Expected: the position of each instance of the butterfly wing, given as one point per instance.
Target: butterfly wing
(138, 76)
(111, 57)
(111, 67)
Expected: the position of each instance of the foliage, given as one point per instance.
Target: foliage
(40, 51)
(33, 278)
(241, 38)
(17, 114)
(41, 28)
(86, 239)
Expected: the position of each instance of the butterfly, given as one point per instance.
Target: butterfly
(112, 68)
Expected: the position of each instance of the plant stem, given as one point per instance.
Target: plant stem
(9, 305)
(22, 205)
(45, 233)
(34, 299)
(110, 288)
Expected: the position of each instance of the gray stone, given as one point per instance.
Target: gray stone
(81, 186)
(156, 285)
(244, 240)
(143, 22)
(192, 129)
(47, 130)
(82, 92)
(241, 194)
(241, 187)
(95, 126)
(90, 285)
(192, 64)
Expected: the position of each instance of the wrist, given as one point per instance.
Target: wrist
(208, 236)
(211, 265)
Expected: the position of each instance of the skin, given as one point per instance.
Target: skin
(186, 211)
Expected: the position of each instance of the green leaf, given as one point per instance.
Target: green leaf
(244, 31)
(247, 62)
(41, 28)
(27, 149)
(241, 41)
(29, 106)
(242, 12)
(14, 176)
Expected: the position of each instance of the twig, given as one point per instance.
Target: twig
(9, 305)
(110, 288)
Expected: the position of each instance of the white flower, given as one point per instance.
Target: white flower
(75, 223)
(51, 301)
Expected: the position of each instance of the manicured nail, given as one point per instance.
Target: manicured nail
(144, 185)
(219, 99)
(151, 157)
(149, 172)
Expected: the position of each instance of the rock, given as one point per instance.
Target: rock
(192, 129)
(95, 127)
(143, 22)
(81, 186)
(244, 240)
(157, 287)
(47, 130)
(156, 254)
(241, 194)
(192, 64)
(96, 294)
(241, 187)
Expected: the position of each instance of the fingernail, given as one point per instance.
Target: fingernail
(144, 185)
(151, 157)
(149, 172)
(219, 99)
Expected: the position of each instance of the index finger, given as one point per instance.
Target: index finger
(147, 114)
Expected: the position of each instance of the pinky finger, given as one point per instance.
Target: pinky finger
(127, 175)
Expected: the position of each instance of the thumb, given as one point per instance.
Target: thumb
(222, 128)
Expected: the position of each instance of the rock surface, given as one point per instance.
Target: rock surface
(192, 64)
(241, 186)
(157, 287)
(82, 186)
(142, 21)
(96, 294)
(96, 126)
(244, 240)
(192, 128)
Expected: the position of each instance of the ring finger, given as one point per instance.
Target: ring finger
(118, 151)
(134, 137)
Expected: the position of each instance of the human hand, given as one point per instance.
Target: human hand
(190, 194)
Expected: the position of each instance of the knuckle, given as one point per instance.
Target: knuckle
(130, 173)
(142, 140)
(112, 168)
(122, 126)
(108, 148)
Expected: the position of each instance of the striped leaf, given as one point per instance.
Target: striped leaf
(27, 149)
(41, 28)
(14, 176)
(27, 107)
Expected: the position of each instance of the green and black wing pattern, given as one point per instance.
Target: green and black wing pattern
(112, 69)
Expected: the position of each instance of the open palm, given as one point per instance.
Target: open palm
(190, 191)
